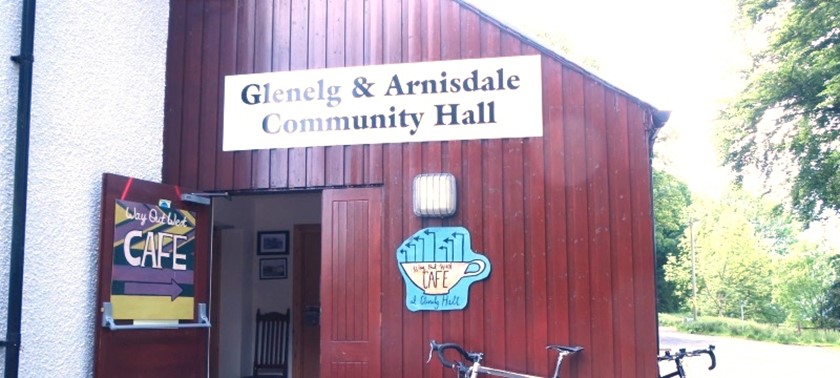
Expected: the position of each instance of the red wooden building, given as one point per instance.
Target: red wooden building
(565, 218)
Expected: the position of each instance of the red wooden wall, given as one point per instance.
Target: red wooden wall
(564, 219)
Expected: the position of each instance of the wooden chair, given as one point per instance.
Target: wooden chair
(271, 344)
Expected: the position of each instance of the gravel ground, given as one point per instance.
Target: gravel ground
(746, 358)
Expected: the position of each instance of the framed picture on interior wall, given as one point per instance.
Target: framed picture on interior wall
(273, 242)
(274, 269)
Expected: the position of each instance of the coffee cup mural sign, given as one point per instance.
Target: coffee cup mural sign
(438, 266)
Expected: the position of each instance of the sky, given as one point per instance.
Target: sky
(677, 55)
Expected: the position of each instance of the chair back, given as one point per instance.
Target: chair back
(271, 344)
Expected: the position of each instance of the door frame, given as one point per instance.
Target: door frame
(215, 300)
(297, 292)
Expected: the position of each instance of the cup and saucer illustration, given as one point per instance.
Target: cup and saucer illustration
(438, 266)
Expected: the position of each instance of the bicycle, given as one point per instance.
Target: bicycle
(678, 357)
(474, 358)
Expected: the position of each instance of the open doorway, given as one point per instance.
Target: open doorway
(248, 276)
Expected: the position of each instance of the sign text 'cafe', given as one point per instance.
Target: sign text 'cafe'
(411, 102)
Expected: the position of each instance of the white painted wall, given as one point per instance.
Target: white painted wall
(97, 106)
(247, 216)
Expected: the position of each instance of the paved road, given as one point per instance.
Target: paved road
(746, 358)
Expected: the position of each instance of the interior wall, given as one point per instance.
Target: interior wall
(243, 292)
(231, 314)
(280, 213)
(236, 216)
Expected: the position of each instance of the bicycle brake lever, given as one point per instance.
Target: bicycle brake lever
(431, 349)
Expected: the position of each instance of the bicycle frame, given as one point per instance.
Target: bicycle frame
(680, 372)
(476, 368)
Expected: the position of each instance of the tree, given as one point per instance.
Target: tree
(733, 266)
(788, 115)
(671, 198)
(775, 227)
(831, 310)
(802, 285)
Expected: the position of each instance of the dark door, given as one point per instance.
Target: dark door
(307, 299)
(153, 268)
(350, 282)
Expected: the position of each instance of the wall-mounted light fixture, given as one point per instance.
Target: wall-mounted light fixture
(434, 195)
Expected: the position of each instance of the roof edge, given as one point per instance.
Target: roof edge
(551, 53)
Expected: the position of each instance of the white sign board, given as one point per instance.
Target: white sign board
(410, 102)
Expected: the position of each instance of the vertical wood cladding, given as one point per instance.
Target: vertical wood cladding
(565, 219)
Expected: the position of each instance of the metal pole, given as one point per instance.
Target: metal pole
(693, 269)
(24, 60)
(742, 309)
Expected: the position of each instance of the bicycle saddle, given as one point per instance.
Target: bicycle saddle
(569, 349)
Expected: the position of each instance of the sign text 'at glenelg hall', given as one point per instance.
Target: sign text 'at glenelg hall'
(411, 102)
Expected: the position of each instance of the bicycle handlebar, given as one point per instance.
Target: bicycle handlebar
(682, 354)
(711, 353)
(440, 348)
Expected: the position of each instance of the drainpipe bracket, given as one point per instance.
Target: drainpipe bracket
(20, 59)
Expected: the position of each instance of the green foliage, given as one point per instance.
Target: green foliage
(735, 241)
(671, 320)
(748, 329)
(788, 116)
(775, 227)
(671, 198)
(831, 309)
(802, 285)
(754, 10)
(733, 270)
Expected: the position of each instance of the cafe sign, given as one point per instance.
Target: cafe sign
(438, 266)
(410, 102)
(154, 259)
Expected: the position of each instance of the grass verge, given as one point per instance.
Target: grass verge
(782, 334)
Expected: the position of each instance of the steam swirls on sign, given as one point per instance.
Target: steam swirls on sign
(411, 102)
